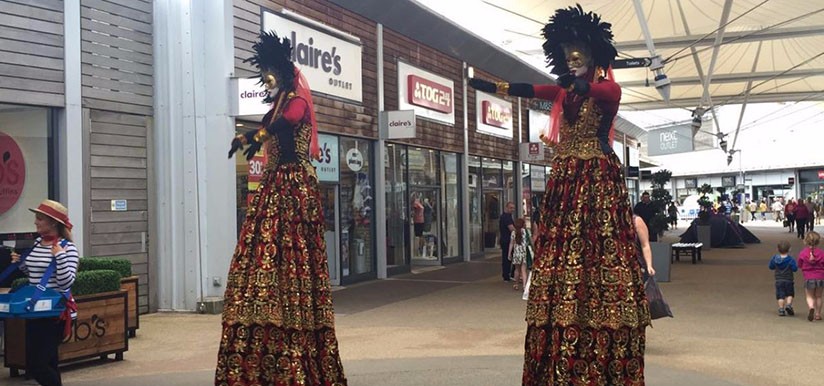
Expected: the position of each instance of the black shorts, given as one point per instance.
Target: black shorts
(418, 229)
(784, 289)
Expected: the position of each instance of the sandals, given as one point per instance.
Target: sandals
(811, 314)
(516, 288)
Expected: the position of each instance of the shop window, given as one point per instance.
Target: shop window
(26, 169)
(397, 215)
(475, 206)
(357, 204)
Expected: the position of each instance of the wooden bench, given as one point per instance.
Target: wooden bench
(692, 248)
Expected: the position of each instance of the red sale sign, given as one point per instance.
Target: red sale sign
(428, 94)
(256, 167)
(12, 173)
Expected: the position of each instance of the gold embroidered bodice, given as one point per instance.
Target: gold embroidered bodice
(289, 146)
(580, 139)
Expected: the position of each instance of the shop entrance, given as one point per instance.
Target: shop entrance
(493, 208)
(329, 200)
(426, 242)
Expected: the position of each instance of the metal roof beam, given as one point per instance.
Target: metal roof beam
(689, 103)
(683, 41)
(734, 78)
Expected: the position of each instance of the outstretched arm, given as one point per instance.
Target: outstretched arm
(524, 90)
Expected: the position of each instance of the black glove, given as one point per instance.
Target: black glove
(253, 148)
(483, 85)
(565, 80)
(580, 86)
(237, 143)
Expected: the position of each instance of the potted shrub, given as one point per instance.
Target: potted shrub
(128, 282)
(702, 227)
(659, 199)
(100, 328)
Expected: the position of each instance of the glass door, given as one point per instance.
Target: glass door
(329, 200)
(426, 239)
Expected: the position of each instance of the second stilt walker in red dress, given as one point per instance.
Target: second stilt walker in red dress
(587, 313)
(278, 322)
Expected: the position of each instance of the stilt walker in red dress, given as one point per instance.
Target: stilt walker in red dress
(587, 313)
(278, 322)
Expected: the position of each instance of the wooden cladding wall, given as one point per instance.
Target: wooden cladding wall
(429, 133)
(486, 145)
(333, 115)
(116, 57)
(31, 52)
(118, 166)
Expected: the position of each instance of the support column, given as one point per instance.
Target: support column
(196, 210)
(380, 169)
(466, 225)
(519, 180)
(70, 134)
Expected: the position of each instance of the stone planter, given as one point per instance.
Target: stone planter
(661, 260)
(99, 331)
(704, 236)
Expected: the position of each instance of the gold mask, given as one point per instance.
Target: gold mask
(269, 81)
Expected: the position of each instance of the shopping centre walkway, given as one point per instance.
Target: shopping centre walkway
(461, 325)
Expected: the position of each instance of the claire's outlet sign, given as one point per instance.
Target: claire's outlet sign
(331, 64)
(429, 95)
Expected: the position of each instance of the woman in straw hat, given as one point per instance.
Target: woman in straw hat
(43, 336)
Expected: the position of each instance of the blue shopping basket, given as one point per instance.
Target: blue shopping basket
(32, 301)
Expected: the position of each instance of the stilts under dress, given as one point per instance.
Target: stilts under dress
(278, 321)
(587, 313)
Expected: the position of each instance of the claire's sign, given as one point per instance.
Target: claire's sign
(12, 173)
(331, 64)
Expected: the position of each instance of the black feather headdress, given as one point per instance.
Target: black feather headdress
(273, 54)
(572, 25)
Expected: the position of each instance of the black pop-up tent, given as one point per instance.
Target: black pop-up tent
(724, 233)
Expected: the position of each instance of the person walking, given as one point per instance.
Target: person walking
(811, 263)
(586, 311)
(802, 215)
(518, 252)
(789, 213)
(506, 224)
(645, 210)
(278, 323)
(784, 265)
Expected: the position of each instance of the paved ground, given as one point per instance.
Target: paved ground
(461, 325)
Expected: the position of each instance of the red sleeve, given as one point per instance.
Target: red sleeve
(606, 91)
(295, 110)
(546, 91)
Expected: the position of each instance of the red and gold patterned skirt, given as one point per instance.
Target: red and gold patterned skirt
(587, 313)
(278, 321)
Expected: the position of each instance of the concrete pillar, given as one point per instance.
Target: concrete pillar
(196, 212)
(71, 129)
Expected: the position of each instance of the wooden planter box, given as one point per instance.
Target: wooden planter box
(129, 284)
(100, 330)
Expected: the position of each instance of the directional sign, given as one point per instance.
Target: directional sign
(631, 63)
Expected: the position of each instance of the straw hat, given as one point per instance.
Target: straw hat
(54, 210)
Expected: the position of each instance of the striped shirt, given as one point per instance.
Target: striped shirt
(39, 259)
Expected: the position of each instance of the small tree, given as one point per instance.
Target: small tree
(705, 203)
(659, 199)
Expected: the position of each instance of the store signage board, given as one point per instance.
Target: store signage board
(120, 205)
(494, 115)
(247, 97)
(12, 173)
(332, 65)
(397, 124)
(537, 177)
(531, 151)
(328, 167)
(431, 96)
(538, 123)
(676, 139)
